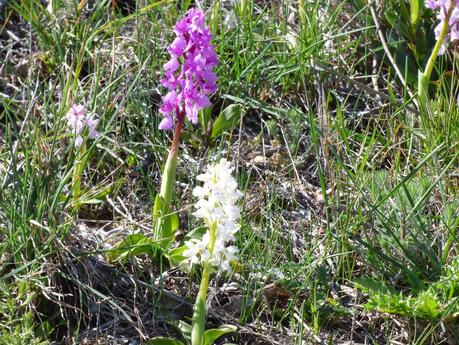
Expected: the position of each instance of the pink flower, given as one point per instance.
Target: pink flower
(188, 74)
(92, 124)
(77, 121)
(453, 31)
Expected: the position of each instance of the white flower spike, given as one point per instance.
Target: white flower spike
(217, 206)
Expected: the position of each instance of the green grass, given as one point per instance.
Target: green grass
(344, 185)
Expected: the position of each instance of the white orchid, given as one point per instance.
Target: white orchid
(217, 206)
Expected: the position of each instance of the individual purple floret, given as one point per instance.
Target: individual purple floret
(433, 4)
(453, 31)
(188, 74)
(77, 121)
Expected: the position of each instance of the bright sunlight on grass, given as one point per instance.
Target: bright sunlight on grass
(229, 172)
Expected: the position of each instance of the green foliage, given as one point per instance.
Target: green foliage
(17, 322)
(229, 117)
(408, 26)
(133, 245)
(439, 300)
(402, 216)
(387, 205)
(164, 223)
(163, 341)
(209, 337)
(175, 255)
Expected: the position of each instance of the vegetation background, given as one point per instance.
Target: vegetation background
(351, 208)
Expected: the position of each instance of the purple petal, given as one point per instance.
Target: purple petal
(78, 140)
(93, 134)
(192, 113)
(432, 4)
(92, 123)
(202, 102)
(166, 123)
(172, 65)
(194, 56)
(171, 97)
(176, 48)
(78, 109)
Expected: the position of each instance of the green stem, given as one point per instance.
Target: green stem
(168, 179)
(199, 313)
(424, 77)
(76, 178)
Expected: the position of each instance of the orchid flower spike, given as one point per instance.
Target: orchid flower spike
(217, 207)
(188, 74)
(77, 120)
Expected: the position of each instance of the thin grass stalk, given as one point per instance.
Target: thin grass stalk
(302, 13)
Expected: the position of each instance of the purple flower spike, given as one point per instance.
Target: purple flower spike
(188, 74)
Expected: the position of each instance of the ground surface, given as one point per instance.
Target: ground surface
(351, 205)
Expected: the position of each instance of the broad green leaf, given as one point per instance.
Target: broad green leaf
(404, 25)
(169, 224)
(213, 334)
(185, 329)
(196, 233)
(164, 341)
(164, 224)
(157, 207)
(132, 245)
(204, 118)
(227, 119)
(175, 222)
(175, 256)
(371, 285)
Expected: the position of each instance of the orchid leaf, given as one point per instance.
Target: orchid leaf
(227, 119)
(185, 329)
(132, 245)
(213, 334)
(164, 223)
(175, 256)
(164, 341)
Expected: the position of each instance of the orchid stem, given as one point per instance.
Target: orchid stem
(76, 178)
(199, 313)
(424, 77)
(168, 179)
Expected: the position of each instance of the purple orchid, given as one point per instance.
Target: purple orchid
(188, 74)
